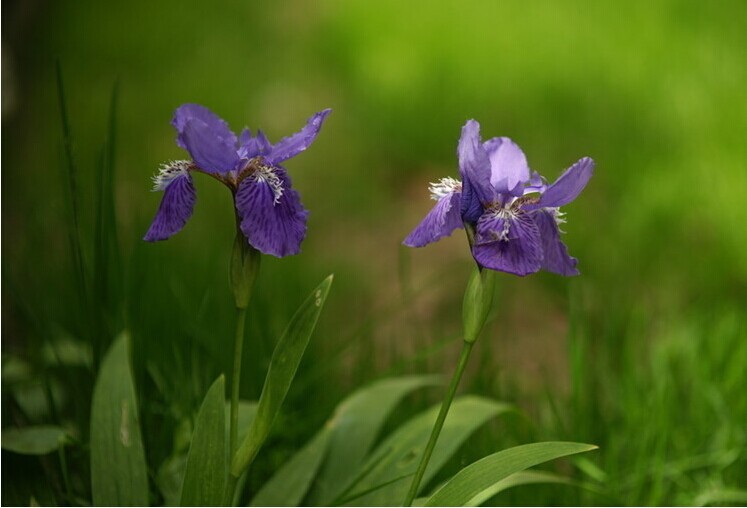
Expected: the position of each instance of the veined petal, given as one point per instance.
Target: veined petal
(176, 207)
(508, 243)
(508, 166)
(474, 167)
(556, 258)
(441, 221)
(218, 126)
(272, 216)
(210, 152)
(293, 145)
(569, 185)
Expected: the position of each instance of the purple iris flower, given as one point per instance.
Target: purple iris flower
(514, 214)
(268, 209)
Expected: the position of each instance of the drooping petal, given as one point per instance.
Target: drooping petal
(569, 185)
(210, 152)
(508, 166)
(508, 243)
(474, 167)
(218, 126)
(441, 221)
(272, 216)
(293, 145)
(556, 258)
(175, 209)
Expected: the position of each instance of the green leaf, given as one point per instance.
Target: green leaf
(515, 480)
(482, 475)
(355, 424)
(205, 472)
(247, 412)
(289, 485)
(283, 366)
(389, 470)
(39, 440)
(118, 471)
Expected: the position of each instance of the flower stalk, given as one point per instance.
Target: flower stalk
(478, 299)
(245, 262)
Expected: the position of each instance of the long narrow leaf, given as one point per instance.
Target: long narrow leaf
(397, 457)
(118, 471)
(205, 472)
(283, 366)
(289, 485)
(38, 440)
(473, 480)
(515, 480)
(355, 424)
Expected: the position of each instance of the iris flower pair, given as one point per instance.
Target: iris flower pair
(268, 209)
(512, 214)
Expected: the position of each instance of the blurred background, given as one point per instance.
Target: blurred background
(644, 354)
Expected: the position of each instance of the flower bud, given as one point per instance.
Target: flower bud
(478, 299)
(244, 269)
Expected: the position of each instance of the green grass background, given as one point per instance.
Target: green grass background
(644, 354)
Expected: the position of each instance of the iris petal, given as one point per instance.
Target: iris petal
(508, 244)
(273, 224)
(508, 165)
(218, 126)
(474, 167)
(210, 152)
(175, 209)
(296, 143)
(441, 221)
(569, 185)
(556, 258)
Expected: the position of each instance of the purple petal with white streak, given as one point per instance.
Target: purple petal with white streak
(275, 228)
(520, 253)
(175, 209)
(441, 221)
(556, 258)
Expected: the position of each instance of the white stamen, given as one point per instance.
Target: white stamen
(444, 187)
(167, 172)
(267, 174)
(558, 216)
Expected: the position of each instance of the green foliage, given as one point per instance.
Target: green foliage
(207, 465)
(280, 374)
(118, 470)
(38, 440)
(474, 480)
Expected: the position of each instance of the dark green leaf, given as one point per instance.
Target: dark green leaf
(118, 471)
(39, 440)
(473, 480)
(205, 472)
(355, 424)
(397, 457)
(285, 360)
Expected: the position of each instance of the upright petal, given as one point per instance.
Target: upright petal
(175, 209)
(254, 146)
(508, 244)
(210, 152)
(272, 218)
(474, 167)
(556, 258)
(218, 126)
(293, 145)
(569, 185)
(441, 221)
(508, 165)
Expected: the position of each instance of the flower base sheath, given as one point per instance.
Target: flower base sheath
(514, 213)
(268, 209)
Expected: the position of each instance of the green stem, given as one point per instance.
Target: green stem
(230, 490)
(445, 405)
(236, 378)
